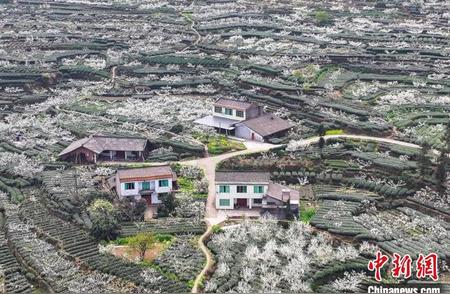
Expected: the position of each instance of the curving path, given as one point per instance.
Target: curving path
(209, 164)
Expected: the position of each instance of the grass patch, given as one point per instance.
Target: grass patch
(216, 229)
(334, 132)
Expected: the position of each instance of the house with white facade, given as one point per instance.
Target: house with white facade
(147, 183)
(253, 190)
(245, 120)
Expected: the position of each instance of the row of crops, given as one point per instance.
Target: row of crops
(80, 246)
(67, 194)
(169, 225)
(13, 275)
(183, 258)
(403, 229)
(407, 230)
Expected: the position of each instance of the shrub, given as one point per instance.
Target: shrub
(163, 237)
(307, 214)
(185, 184)
(216, 229)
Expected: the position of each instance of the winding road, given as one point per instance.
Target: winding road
(209, 164)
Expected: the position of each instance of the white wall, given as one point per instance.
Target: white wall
(242, 131)
(234, 195)
(138, 186)
(233, 116)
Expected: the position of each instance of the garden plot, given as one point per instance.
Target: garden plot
(183, 258)
(337, 208)
(46, 263)
(12, 275)
(263, 256)
(169, 225)
(406, 231)
(68, 192)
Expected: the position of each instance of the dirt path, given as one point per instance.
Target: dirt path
(209, 164)
(209, 260)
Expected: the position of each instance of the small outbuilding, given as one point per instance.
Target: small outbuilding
(262, 128)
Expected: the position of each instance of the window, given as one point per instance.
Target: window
(145, 185)
(224, 202)
(242, 189)
(218, 109)
(257, 201)
(258, 189)
(129, 186)
(163, 183)
(228, 111)
(239, 113)
(224, 189)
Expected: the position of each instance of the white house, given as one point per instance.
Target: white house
(250, 190)
(147, 183)
(245, 120)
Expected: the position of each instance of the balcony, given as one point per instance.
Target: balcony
(147, 191)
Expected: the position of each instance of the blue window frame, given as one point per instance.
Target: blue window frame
(224, 202)
(164, 183)
(224, 189)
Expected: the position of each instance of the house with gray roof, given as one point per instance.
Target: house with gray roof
(245, 120)
(254, 191)
(105, 148)
(262, 128)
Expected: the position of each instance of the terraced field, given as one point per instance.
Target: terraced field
(69, 69)
(79, 246)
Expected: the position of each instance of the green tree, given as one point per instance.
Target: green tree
(104, 220)
(132, 210)
(441, 173)
(424, 160)
(167, 205)
(141, 243)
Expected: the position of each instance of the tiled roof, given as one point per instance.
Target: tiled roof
(235, 104)
(276, 190)
(242, 177)
(146, 172)
(267, 125)
(100, 143)
(217, 122)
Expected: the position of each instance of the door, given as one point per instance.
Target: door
(148, 199)
(253, 136)
(242, 202)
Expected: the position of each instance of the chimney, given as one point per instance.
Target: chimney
(285, 195)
